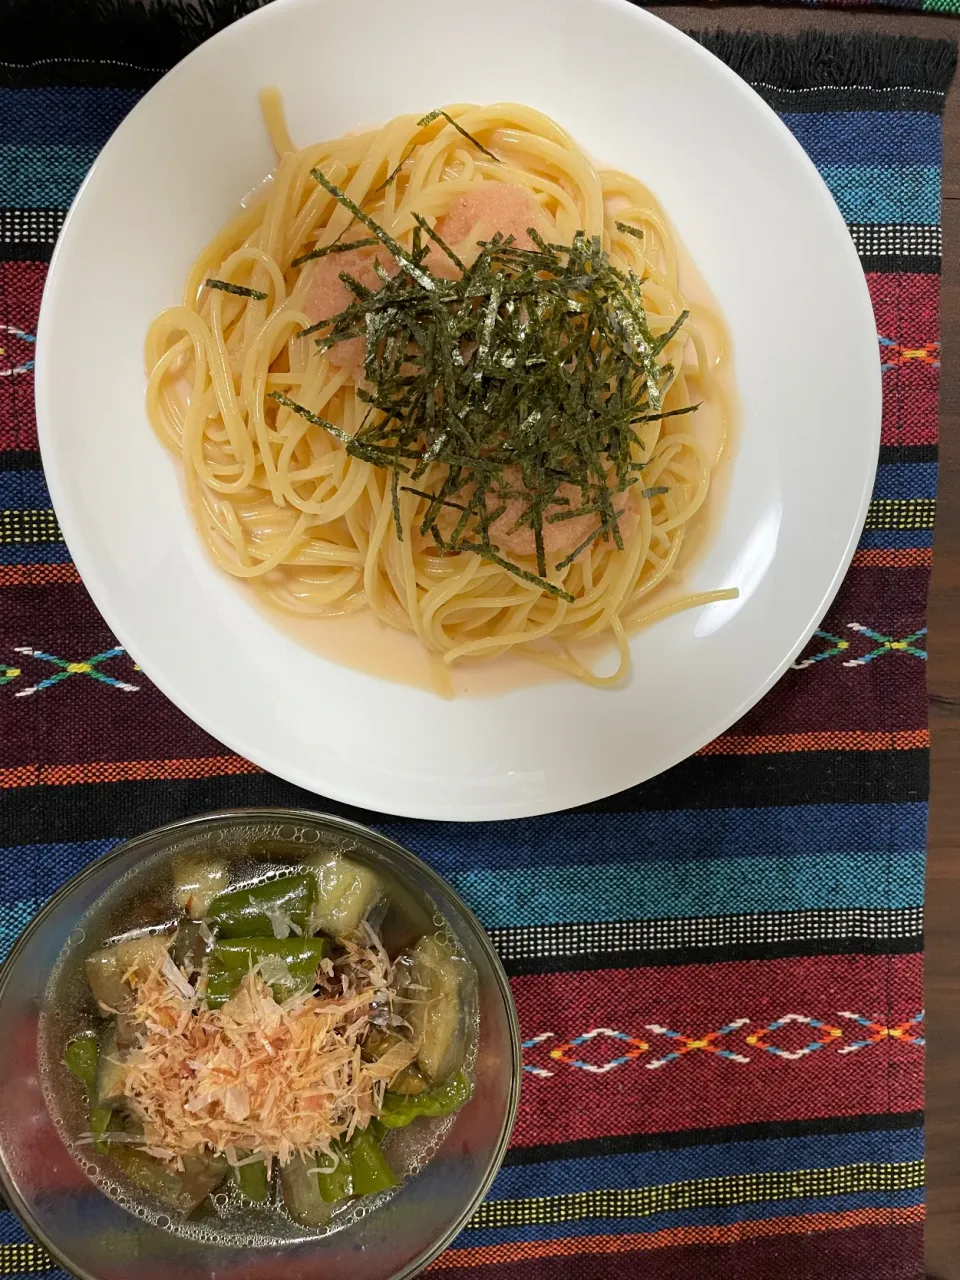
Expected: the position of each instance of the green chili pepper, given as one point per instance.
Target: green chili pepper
(220, 988)
(231, 958)
(102, 1121)
(253, 911)
(369, 1167)
(252, 1180)
(338, 1184)
(399, 1110)
(81, 1057)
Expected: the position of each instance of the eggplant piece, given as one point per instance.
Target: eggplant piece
(106, 969)
(346, 893)
(381, 1041)
(441, 995)
(409, 1083)
(302, 1198)
(192, 943)
(183, 1191)
(196, 882)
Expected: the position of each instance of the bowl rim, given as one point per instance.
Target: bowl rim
(405, 855)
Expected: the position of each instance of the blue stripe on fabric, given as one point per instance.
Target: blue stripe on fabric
(23, 489)
(867, 137)
(652, 1168)
(72, 117)
(906, 480)
(892, 539)
(42, 177)
(32, 873)
(35, 553)
(872, 193)
(16, 916)
(36, 870)
(722, 1215)
(544, 894)
(582, 839)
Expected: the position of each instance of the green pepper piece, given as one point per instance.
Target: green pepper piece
(252, 1180)
(232, 958)
(220, 988)
(81, 1056)
(399, 1110)
(338, 1184)
(102, 1122)
(252, 912)
(369, 1166)
(297, 953)
(301, 956)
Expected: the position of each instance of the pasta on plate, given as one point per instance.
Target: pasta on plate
(444, 370)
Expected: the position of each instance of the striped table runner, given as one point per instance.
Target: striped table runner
(718, 973)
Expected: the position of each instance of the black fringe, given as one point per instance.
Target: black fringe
(65, 41)
(133, 42)
(817, 59)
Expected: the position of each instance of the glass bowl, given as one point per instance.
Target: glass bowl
(42, 989)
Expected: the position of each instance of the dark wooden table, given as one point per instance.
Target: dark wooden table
(943, 862)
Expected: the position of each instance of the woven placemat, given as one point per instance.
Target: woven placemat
(718, 973)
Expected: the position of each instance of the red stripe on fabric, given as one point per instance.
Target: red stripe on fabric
(883, 1250)
(563, 1102)
(882, 693)
(893, 558)
(21, 286)
(68, 775)
(734, 744)
(907, 310)
(37, 575)
(733, 1233)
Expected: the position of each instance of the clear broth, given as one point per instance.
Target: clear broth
(141, 902)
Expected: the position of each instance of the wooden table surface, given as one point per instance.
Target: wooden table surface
(943, 861)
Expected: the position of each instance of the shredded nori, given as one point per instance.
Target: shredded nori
(336, 247)
(532, 370)
(240, 290)
(439, 113)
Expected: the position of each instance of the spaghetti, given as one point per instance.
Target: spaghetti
(271, 425)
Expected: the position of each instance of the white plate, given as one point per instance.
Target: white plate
(757, 220)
